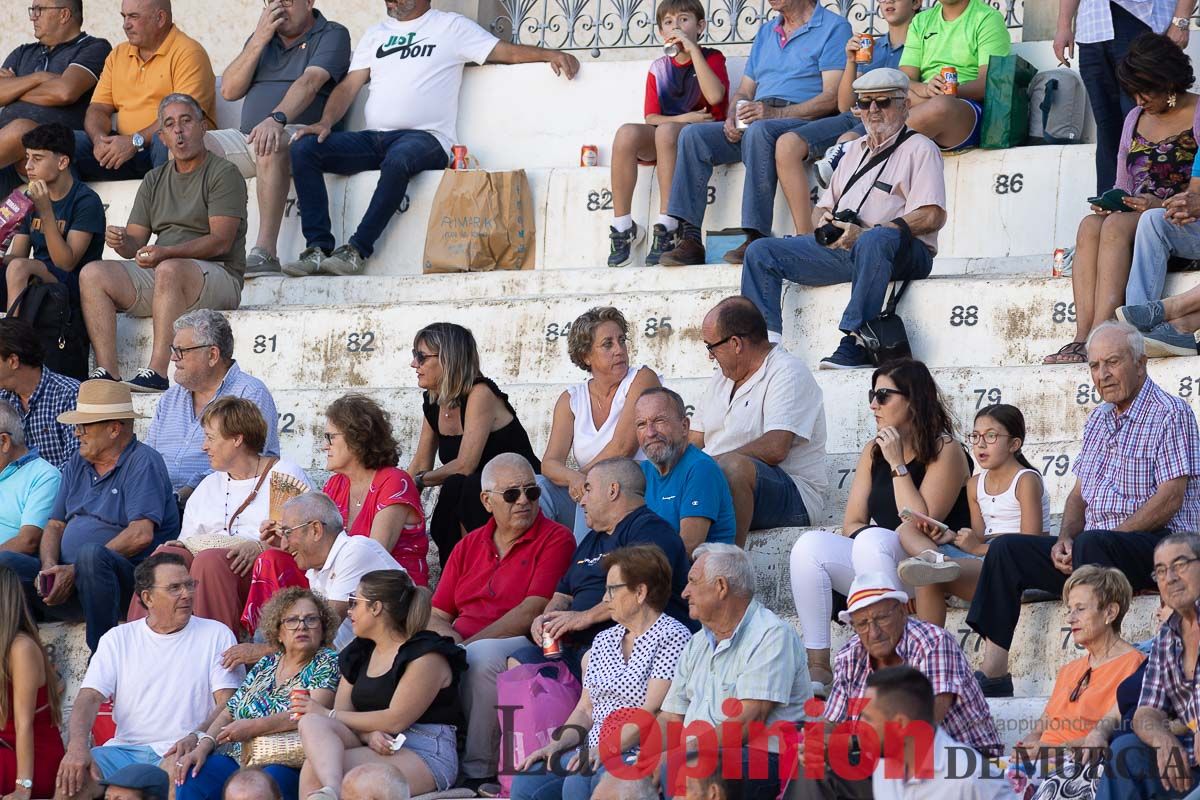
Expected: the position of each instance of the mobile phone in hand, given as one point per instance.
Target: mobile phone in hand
(916, 516)
(45, 583)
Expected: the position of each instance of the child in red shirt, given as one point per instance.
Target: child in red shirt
(690, 86)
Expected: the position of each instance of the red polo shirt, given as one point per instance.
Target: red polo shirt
(478, 587)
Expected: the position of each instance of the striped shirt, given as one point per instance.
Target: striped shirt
(934, 652)
(1164, 686)
(54, 394)
(1093, 21)
(177, 434)
(1126, 457)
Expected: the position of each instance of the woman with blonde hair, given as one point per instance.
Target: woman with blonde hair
(31, 744)
(593, 420)
(468, 422)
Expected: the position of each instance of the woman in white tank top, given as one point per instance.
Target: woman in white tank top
(593, 420)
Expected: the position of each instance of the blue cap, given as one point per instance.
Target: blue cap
(152, 781)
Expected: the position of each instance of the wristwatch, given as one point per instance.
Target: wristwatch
(1182, 23)
(139, 141)
(25, 783)
(900, 471)
(280, 117)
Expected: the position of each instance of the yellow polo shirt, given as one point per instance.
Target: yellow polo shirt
(135, 87)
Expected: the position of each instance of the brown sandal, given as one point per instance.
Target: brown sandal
(1069, 353)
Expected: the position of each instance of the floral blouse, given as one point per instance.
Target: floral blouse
(259, 697)
(1161, 169)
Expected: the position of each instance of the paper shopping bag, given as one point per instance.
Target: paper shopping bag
(480, 221)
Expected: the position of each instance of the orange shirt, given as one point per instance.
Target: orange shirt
(1067, 720)
(135, 87)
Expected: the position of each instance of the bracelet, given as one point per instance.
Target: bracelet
(201, 736)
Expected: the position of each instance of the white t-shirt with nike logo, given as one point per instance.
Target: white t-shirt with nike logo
(416, 71)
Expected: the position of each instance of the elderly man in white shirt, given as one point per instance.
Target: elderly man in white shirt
(762, 418)
(931, 764)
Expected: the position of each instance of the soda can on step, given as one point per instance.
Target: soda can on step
(589, 155)
(950, 78)
(296, 694)
(866, 49)
(550, 646)
(459, 152)
(1060, 258)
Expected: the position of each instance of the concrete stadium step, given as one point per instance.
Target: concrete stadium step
(952, 322)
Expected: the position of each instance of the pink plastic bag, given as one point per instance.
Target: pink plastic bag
(534, 700)
(13, 211)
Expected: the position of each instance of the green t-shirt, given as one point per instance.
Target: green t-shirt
(176, 206)
(965, 44)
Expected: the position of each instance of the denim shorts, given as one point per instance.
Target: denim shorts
(437, 746)
(954, 551)
(111, 757)
(777, 501)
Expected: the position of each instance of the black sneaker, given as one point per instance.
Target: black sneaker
(621, 247)
(101, 374)
(147, 381)
(661, 241)
(995, 687)
(849, 355)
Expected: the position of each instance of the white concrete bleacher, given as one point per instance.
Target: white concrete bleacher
(982, 322)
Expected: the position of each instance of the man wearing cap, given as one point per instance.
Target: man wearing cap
(137, 782)
(885, 636)
(114, 506)
(891, 182)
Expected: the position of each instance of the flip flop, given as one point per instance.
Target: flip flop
(1069, 353)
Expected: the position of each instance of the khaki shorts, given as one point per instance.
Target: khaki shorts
(232, 146)
(221, 292)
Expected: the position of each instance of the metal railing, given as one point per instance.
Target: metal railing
(615, 24)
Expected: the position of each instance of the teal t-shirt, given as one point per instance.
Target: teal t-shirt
(28, 487)
(966, 44)
(695, 487)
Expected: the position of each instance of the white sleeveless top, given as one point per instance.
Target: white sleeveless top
(1002, 512)
(590, 440)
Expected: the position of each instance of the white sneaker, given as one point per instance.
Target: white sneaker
(928, 568)
(828, 164)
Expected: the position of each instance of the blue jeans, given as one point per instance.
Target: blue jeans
(556, 503)
(1098, 69)
(777, 501)
(217, 769)
(1132, 772)
(1156, 241)
(873, 261)
(703, 145)
(103, 589)
(398, 155)
(541, 784)
(88, 169)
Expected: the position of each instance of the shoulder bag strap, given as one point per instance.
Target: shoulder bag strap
(878, 159)
(271, 462)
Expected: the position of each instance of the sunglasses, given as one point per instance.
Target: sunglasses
(1079, 687)
(421, 358)
(882, 103)
(882, 396)
(512, 495)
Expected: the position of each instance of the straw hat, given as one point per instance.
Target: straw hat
(100, 401)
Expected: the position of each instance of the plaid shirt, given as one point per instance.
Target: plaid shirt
(54, 394)
(1093, 21)
(1164, 685)
(1126, 457)
(934, 652)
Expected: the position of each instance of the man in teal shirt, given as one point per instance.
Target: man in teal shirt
(28, 486)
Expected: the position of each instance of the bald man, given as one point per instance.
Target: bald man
(374, 782)
(251, 783)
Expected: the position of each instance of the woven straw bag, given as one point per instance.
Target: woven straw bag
(284, 749)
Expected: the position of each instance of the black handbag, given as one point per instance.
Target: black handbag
(884, 338)
(57, 324)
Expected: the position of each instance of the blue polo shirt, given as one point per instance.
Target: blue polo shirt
(791, 70)
(695, 487)
(585, 579)
(96, 508)
(84, 51)
(884, 55)
(28, 487)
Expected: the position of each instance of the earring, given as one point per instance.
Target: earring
(1171, 100)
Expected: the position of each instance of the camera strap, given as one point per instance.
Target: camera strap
(880, 158)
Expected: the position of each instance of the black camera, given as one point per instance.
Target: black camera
(829, 233)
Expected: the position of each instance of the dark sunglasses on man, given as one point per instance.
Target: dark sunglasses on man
(511, 496)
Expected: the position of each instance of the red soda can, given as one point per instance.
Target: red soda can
(950, 78)
(589, 155)
(866, 49)
(459, 152)
(550, 646)
(295, 695)
(1060, 258)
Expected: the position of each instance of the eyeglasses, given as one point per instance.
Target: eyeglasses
(882, 103)
(307, 621)
(1079, 687)
(1175, 568)
(882, 396)
(421, 358)
(177, 352)
(283, 3)
(715, 345)
(286, 532)
(864, 625)
(991, 437)
(329, 437)
(176, 589)
(611, 588)
(36, 11)
(512, 495)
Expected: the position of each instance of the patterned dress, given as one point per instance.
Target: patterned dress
(259, 697)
